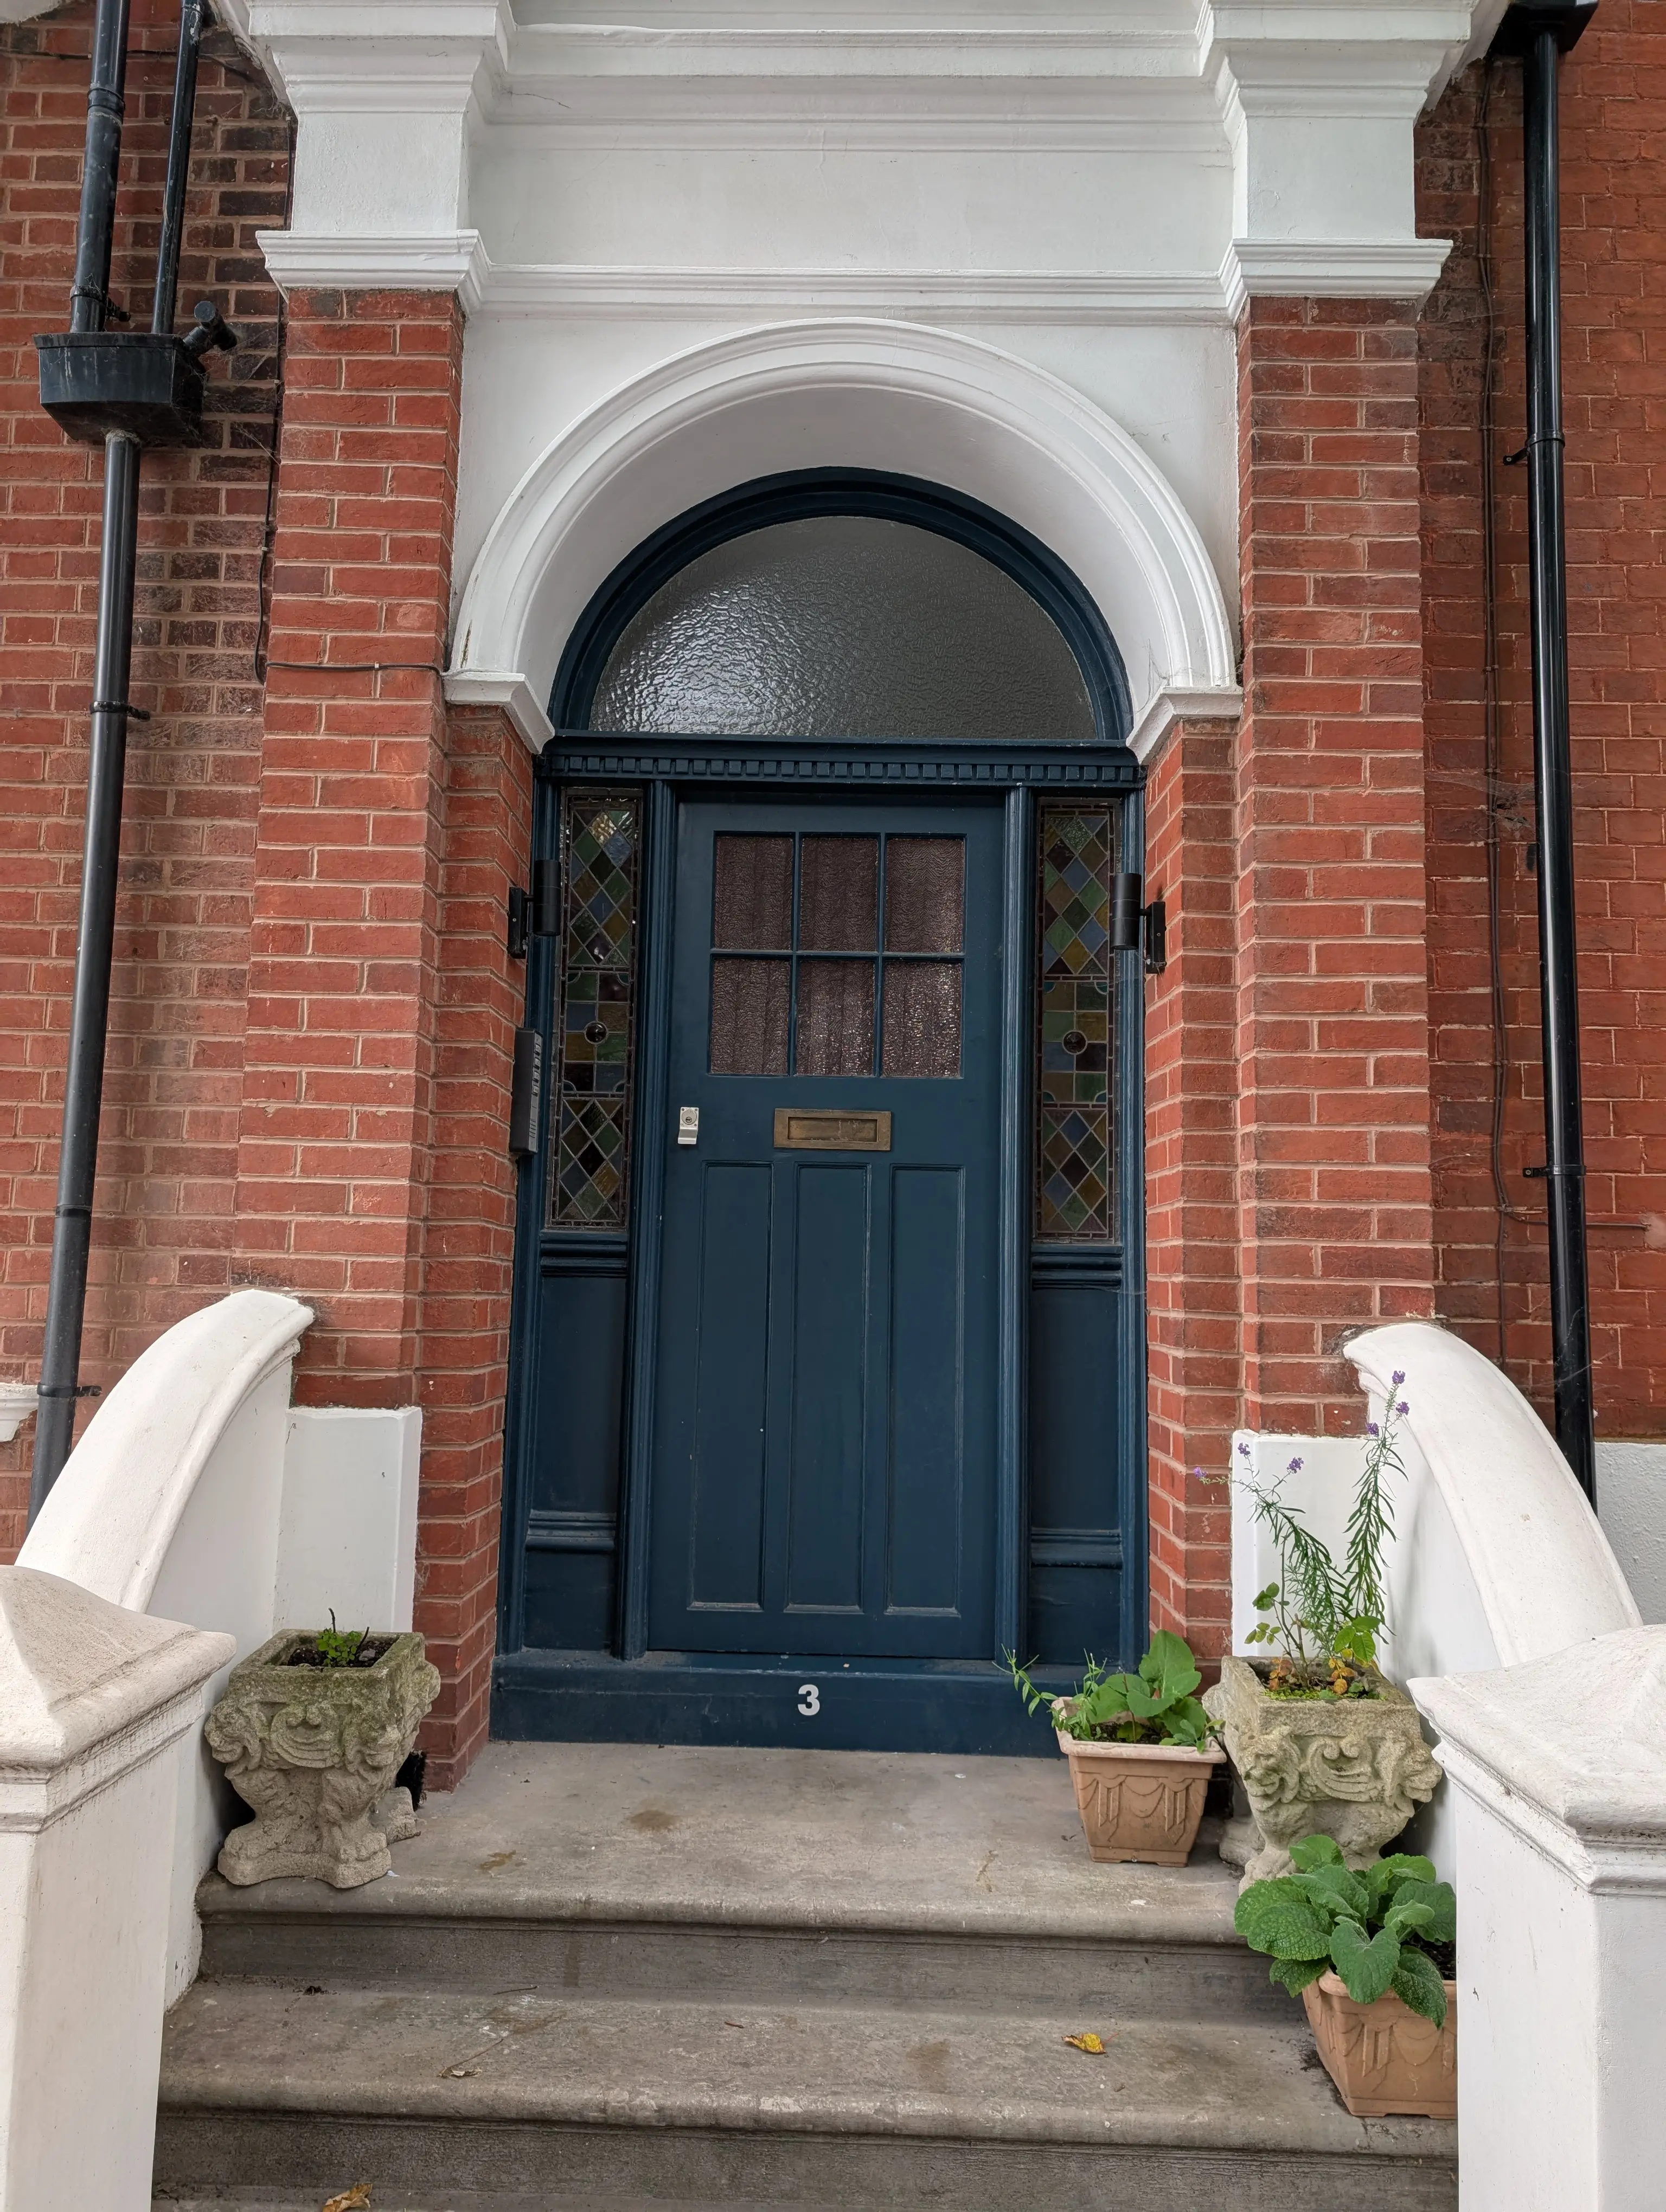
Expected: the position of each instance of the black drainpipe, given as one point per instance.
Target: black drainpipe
(124, 391)
(1541, 31)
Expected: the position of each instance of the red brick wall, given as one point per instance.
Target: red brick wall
(373, 1179)
(1191, 1182)
(313, 1005)
(1332, 1044)
(162, 1237)
(1613, 238)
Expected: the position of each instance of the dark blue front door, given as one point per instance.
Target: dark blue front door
(824, 1440)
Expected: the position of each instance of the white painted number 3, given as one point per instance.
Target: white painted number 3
(810, 1700)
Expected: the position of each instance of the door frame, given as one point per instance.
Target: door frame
(665, 768)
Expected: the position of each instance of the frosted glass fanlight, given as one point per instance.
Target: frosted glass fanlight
(844, 626)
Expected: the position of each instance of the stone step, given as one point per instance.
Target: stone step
(829, 2104)
(776, 1877)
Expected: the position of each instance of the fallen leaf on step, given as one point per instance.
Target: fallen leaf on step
(355, 2199)
(451, 2074)
(1088, 2042)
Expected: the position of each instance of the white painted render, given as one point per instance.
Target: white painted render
(1088, 191)
(198, 1493)
(1631, 1503)
(1560, 1789)
(1496, 1557)
(96, 1704)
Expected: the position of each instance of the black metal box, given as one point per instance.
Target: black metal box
(93, 382)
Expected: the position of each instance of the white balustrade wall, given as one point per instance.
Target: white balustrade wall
(198, 1493)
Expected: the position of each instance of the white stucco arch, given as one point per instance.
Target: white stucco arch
(846, 393)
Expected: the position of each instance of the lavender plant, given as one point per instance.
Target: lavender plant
(1324, 1617)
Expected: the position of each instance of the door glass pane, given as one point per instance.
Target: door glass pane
(1075, 1185)
(753, 911)
(839, 895)
(844, 626)
(925, 898)
(922, 1018)
(752, 1000)
(594, 1040)
(835, 1018)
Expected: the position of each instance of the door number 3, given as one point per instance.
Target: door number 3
(810, 1700)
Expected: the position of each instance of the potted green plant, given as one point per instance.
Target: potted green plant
(1140, 1752)
(1371, 1954)
(311, 1730)
(1320, 1740)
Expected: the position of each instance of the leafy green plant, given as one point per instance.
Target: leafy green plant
(1391, 1926)
(335, 1649)
(1324, 1617)
(1156, 1706)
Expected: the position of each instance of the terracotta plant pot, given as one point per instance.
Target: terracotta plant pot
(1139, 1800)
(1384, 2058)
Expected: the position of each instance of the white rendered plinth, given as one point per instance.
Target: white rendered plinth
(93, 1700)
(1559, 1772)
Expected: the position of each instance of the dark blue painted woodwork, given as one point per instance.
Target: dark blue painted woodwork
(824, 1467)
(1052, 1547)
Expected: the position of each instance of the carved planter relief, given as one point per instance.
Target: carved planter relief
(1353, 1768)
(1384, 2058)
(312, 1750)
(1141, 1802)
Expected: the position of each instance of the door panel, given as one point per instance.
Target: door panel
(727, 1552)
(824, 1442)
(928, 1461)
(826, 1411)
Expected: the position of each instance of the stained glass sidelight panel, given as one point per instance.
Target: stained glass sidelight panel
(1075, 1175)
(601, 836)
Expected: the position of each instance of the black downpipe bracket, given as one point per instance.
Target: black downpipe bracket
(1541, 31)
(124, 391)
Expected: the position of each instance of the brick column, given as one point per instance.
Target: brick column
(469, 1272)
(372, 1175)
(1334, 1213)
(1191, 1207)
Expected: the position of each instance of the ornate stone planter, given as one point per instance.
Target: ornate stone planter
(1353, 1768)
(311, 1750)
(1384, 2058)
(1139, 1802)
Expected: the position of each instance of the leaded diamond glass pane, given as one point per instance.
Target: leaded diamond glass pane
(1076, 1041)
(589, 1172)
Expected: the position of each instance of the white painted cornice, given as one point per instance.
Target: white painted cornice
(1058, 298)
(506, 687)
(1174, 704)
(457, 261)
(851, 111)
(1330, 269)
(443, 261)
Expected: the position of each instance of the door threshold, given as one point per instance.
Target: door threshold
(966, 1708)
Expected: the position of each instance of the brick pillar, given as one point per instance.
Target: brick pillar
(372, 1175)
(1191, 1203)
(1336, 1221)
(470, 1258)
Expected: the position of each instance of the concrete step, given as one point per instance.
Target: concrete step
(749, 1876)
(819, 2105)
